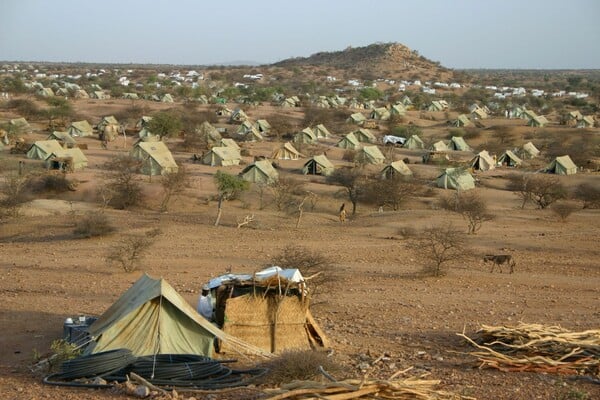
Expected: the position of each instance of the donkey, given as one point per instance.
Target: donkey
(498, 260)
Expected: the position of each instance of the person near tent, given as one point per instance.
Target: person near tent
(205, 306)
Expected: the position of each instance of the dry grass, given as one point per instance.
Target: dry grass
(298, 365)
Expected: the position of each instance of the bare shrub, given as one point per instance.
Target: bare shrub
(50, 182)
(388, 192)
(353, 180)
(122, 189)
(93, 225)
(129, 252)
(14, 194)
(542, 190)
(470, 206)
(283, 191)
(313, 265)
(589, 194)
(172, 185)
(439, 245)
(302, 365)
(407, 232)
(563, 210)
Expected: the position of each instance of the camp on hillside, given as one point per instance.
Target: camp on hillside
(42, 149)
(349, 142)
(364, 136)
(318, 165)
(356, 118)
(414, 143)
(562, 165)
(286, 152)
(482, 161)
(80, 129)
(222, 157)
(369, 155)
(156, 158)
(380, 113)
(509, 159)
(457, 143)
(226, 142)
(455, 178)
(67, 160)
(152, 318)
(260, 171)
(268, 309)
(395, 169)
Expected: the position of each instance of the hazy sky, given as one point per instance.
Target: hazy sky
(458, 33)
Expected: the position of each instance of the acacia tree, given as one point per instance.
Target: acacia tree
(283, 191)
(165, 124)
(228, 186)
(542, 190)
(352, 180)
(470, 206)
(439, 245)
(13, 192)
(389, 192)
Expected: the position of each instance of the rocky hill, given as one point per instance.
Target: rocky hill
(379, 60)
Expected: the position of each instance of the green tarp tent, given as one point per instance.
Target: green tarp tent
(394, 169)
(370, 155)
(349, 142)
(222, 157)
(562, 165)
(509, 159)
(455, 178)
(80, 129)
(458, 143)
(152, 318)
(483, 161)
(413, 143)
(42, 149)
(318, 165)
(155, 157)
(261, 171)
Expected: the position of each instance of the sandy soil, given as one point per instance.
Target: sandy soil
(376, 304)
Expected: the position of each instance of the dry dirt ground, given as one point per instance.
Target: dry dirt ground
(375, 305)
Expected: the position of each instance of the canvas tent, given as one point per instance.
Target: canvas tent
(268, 309)
(482, 161)
(209, 132)
(562, 165)
(222, 157)
(370, 155)
(152, 318)
(261, 171)
(80, 129)
(67, 160)
(226, 142)
(143, 122)
(462, 120)
(263, 126)
(357, 118)
(458, 143)
(529, 151)
(586, 122)
(509, 159)
(156, 158)
(42, 149)
(413, 143)
(318, 165)
(395, 169)
(19, 125)
(380, 113)
(349, 142)
(439, 146)
(455, 178)
(63, 138)
(365, 136)
(321, 132)
(306, 136)
(286, 152)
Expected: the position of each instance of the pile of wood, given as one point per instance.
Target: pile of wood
(537, 348)
(411, 388)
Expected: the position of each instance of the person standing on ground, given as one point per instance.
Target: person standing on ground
(343, 213)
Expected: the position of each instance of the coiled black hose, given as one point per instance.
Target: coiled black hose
(170, 370)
